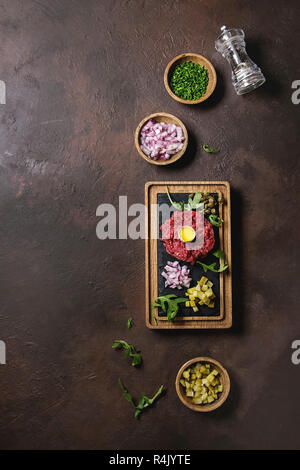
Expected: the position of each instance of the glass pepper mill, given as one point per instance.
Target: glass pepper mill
(246, 75)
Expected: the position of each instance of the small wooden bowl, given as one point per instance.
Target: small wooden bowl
(224, 379)
(161, 117)
(199, 59)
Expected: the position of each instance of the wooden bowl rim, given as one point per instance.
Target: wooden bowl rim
(209, 65)
(211, 406)
(174, 157)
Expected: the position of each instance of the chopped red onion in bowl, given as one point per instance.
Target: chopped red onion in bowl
(176, 276)
(161, 140)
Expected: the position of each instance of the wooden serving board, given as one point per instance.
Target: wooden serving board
(156, 258)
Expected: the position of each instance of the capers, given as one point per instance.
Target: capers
(209, 203)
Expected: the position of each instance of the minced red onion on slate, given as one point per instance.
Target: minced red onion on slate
(176, 276)
(160, 140)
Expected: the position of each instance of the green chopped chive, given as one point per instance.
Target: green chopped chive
(210, 149)
(189, 80)
(215, 220)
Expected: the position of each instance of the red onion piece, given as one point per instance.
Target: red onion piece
(176, 276)
(160, 140)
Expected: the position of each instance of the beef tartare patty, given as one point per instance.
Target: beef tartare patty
(203, 244)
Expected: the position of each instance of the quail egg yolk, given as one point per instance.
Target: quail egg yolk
(187, 233)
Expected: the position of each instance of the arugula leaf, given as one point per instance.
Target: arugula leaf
(145, 402)
(219, 254)
(126, 394)
(210, 149)
(130, 351)
(193, 202)
(211, 267)
(129, 323)
(169, 305)
(136, 359)
(215, 220)
(178, 205)
(153, 315)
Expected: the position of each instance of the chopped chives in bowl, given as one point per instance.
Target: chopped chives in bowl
(189, 80)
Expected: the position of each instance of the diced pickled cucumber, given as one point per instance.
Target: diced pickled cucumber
(202, 281)
(198, 401)
(201, 383)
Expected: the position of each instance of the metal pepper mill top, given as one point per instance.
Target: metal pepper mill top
(246, 75)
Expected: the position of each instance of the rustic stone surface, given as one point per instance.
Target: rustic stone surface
(80, 76)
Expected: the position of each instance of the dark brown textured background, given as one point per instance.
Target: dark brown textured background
(80, 75)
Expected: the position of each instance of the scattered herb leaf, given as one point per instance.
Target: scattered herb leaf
(129, 323)
(215, 220)
(145, 402)
(210, 149)
(130, 351)
(126, 394)
(169, 305)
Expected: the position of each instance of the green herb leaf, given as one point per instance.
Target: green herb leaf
(211, 267)
(130, 351)
(153, 314)
(197, 198)
(126, 394)
(215, 220)
(219, 254)
(169, 304)
(210, 149)
(195, 202)
(129, 323)
(145, 402)
(178, 205)
(207, 267)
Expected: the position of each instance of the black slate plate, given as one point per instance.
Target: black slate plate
(196, 271)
